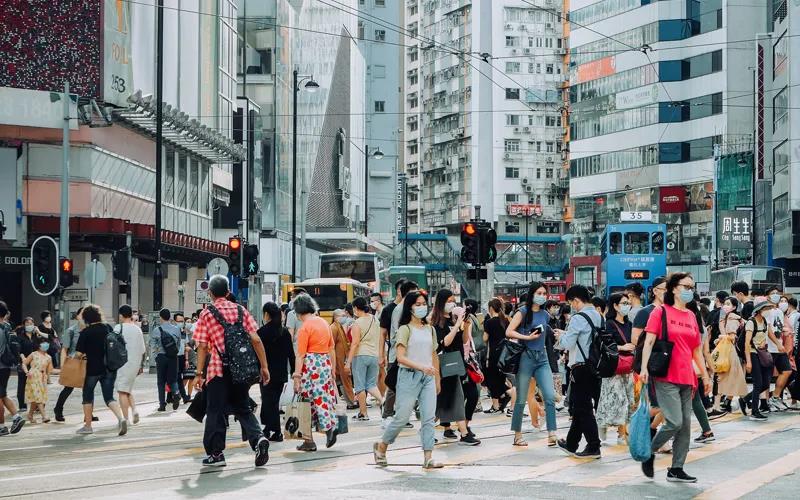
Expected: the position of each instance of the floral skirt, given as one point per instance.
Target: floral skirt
(316, 386)
(616, 401)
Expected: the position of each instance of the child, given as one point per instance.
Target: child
(38, 366)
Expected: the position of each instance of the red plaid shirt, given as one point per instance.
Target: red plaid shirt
(209, 331)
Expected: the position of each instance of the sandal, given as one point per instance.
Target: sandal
(380, 458)
(520, 441)
(432, 464)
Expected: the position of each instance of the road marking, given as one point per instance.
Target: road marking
(729, 443)
(23, 448)
(88, 471)
(753, 479)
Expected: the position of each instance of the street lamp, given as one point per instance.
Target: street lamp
(378, 155)
(310, 86)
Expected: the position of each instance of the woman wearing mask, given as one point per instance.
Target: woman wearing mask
(341, 341)
(616, 393)
(529, 326)
(448, 322)
(362, 360)
(37, 367)
(675, 389)
(698, 404)
(54, 343)
(494, 333)
(28, 336)
(417, 379)
(731, 383)
(758, 361)
(472, 391)
(280, 358)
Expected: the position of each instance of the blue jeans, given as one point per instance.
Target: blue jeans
(167, 373)
(365, 373)
(413, 386)
(534, 364)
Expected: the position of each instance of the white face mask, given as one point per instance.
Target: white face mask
(448, 308)
(420, 311)
(783, 306)
(625, 309)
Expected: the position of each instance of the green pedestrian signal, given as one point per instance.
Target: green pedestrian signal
(44, 265)
(250, 258)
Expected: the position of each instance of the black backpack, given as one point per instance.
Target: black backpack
(603, 354)
(741, 337)
(10, 354)
(116, 350)
(239, 357)
(169, 344)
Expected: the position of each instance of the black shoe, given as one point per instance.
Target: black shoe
(504, 400)
(262, 452)
(469, 432)
(187, 400)
(217, 460)
(176, 402)
(758, 416)
(743, 406)
(169, 398)
(587, 453)
(562, 445)
(307, 446)
(726, 406)
(330, 436)
(715, 414)
(648, 466)
(16, 425)
(352, 406)
(705, 438)
(450, 434)
(59, 417)
(678, 476)
(492, 409)
(95, 419)
(276, 437)
(469, 440)
(162, 408)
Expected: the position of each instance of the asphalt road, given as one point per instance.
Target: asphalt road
(160, 458)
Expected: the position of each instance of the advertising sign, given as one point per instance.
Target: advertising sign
(117, 68)
(523, 209)
(596, 69)
(672, 199)
(735, 229)
(637, 97)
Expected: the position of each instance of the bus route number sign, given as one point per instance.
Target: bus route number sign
(636, 216)
(632, 274)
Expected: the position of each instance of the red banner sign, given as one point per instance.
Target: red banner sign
(672, 199)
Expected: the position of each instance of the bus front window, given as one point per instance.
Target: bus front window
(637, 243)
(615, 243)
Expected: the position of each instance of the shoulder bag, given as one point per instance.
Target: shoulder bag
(625, 361)
(661, 354)
(510, 356)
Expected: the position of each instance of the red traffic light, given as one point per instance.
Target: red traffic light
(470, 229)
(234, 243)
(66, 265)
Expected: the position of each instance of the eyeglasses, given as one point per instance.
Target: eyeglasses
(660, 288)
(687, 287)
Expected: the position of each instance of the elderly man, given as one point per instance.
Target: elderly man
(342, 346)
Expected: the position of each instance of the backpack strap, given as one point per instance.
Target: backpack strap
(218, 316)
(664, 323)
(591, 335)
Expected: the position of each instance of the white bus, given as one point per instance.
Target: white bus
(360, 266)
(758, 278)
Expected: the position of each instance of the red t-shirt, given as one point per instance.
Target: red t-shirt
(682, 330)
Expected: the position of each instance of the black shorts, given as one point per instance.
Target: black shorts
(781, 362)
(4, 374)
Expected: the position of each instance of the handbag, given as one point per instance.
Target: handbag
(341, 419)
(639, 440)
(73, 372)
(510, 356)
(721, 356)
(624, 359)
(391, 376)
(298, 419)
(764, 358)
(197, 408)
(474, 367)
(661, 354)
(451, 364)
(287, 394)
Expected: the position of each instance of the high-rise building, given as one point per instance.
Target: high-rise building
(483, 114)
(656, 87)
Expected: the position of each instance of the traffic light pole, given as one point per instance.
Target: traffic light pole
(158, 276)
(63, 233)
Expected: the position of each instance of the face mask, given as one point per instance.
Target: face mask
(375, 305)
(625, 309)
(739, 307)
(182, 325)
(448, 308)
(344, 320)
(774, 298)
(554, 312)
(539, 300)
(28, 328)
(420, 311)
(44, 346)
(727, 309)
(783, 306)
(687, 296)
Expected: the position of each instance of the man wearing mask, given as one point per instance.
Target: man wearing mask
(780, 359)
(180, 321)
(71, 336)
(741, 290)
(164, 337)
(8, 353)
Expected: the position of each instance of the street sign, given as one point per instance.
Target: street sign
(76, 294)
(201, 295)
(95, 274)
(735, 229)
(217, 265)
(636, 216)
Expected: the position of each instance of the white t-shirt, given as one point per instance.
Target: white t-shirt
(774, 318)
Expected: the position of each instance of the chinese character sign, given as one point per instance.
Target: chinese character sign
(734, 229)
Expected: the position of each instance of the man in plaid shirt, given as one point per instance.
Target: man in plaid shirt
(222, 395)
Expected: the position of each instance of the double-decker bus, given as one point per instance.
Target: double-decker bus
(556, 290)
(330, 293)
(389, 276)
(511, 292)
(360, 266)
(758, 278)
(632, 252)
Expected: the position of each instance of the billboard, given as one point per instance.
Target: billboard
(117, 68)
(734, 228)
(596, 69)
(672, 199)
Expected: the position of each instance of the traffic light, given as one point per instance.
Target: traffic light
(66, 277)
(488, 238)
(470, 241)
(121, 263)
(44, 265)
(235, 255)
(250, 260)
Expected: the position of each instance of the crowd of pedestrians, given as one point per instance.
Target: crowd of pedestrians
(435, 358)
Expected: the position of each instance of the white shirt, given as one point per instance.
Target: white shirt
(134, 342)
(775, 318)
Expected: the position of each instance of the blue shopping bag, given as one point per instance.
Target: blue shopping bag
(639, 441)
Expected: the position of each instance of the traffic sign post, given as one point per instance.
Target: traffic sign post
(217, 265)
(201, 295)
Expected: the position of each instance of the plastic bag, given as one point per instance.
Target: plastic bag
(639, 441)
(721, 355)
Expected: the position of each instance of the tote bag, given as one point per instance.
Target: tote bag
(298, 419)
(639, 441)
(73, 372)
(451, 364)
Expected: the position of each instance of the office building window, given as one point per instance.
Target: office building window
(380, 3)
(512, 198)
(380, 106)
(513, 67)
(512, 119)
(548, 173)
(512, 226)
(538, 173)
(361, 30)
(512, 173)
(379, 71)
(780, 109)
(512, 93)
(512, 145)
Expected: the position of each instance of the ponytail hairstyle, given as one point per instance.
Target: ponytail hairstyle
(497, 306)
